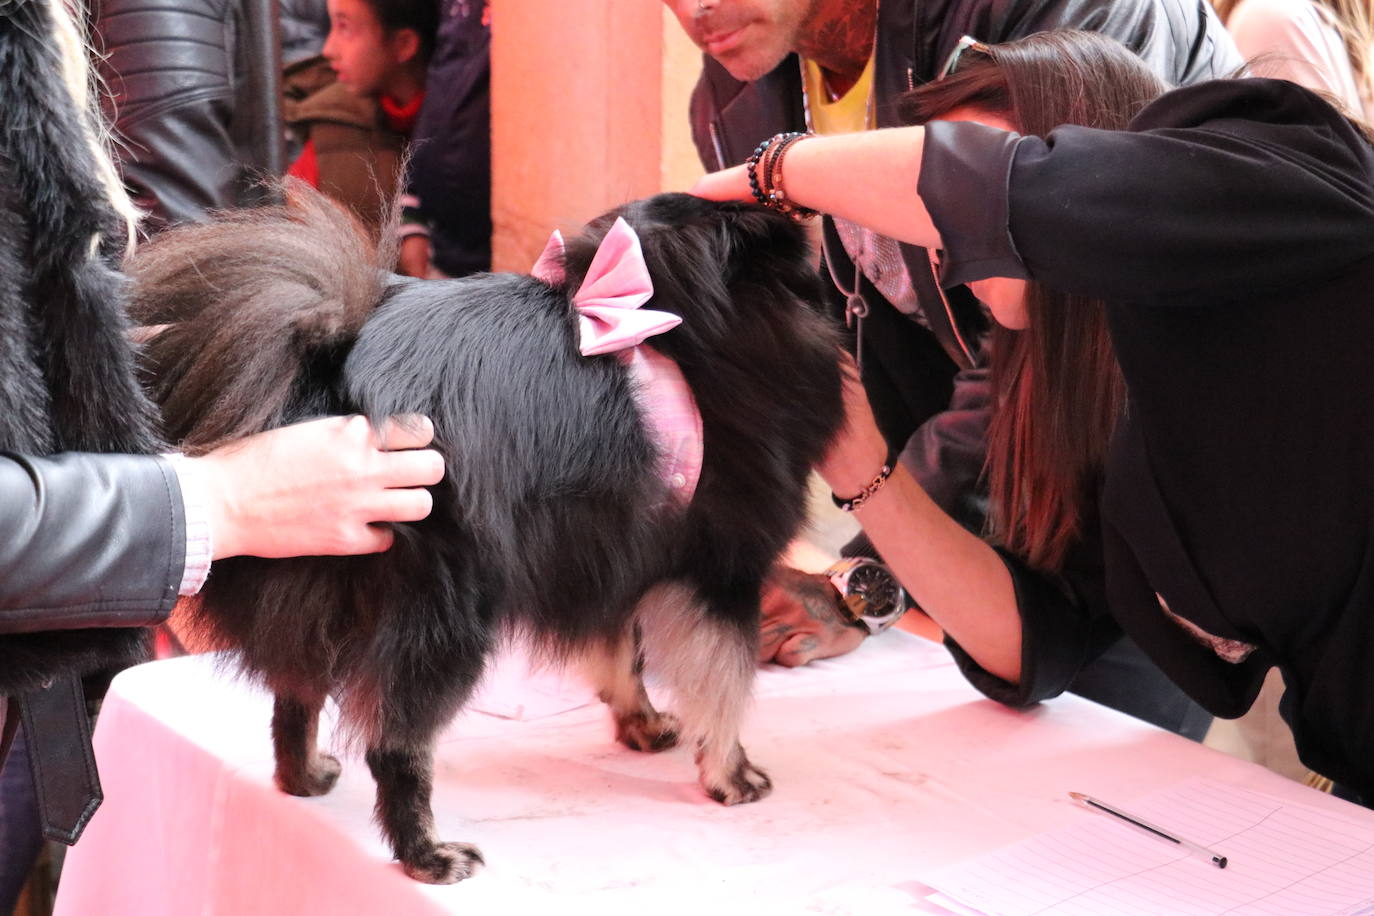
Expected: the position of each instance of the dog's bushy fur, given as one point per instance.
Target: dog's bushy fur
(552, 520)
(67, 380)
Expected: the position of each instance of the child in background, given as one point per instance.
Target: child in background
(354, 106)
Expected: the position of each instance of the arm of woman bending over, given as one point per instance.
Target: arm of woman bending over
(868, 178)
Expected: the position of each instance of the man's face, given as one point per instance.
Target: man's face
(748, 37)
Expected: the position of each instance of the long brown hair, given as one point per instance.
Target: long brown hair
(1057, 384)
(1353, 19)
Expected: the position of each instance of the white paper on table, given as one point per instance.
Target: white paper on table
(1285, 859)
(516, 686)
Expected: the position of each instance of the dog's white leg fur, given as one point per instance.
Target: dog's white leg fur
(709, 665)
(615, 673)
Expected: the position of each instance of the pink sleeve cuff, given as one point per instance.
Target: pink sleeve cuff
(199, 546)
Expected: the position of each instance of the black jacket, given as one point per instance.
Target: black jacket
(74, 531)
(194, 98)
(89, 541)
(91, 547)
(450, 167)
(1240, 487)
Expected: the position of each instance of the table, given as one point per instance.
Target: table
(886, 765)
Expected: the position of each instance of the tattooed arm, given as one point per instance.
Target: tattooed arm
(802, 620)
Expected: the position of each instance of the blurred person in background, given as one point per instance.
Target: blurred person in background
(1324, 45)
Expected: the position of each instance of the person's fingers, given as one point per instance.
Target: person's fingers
(798, 649)
(404, 432)
(730, 184)
(371, 539)
(412, 468)
(409, 505)
(803, 648)
(771, 639)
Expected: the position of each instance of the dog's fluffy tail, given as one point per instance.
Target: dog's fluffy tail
(248, 317)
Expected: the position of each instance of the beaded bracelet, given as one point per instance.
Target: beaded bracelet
(751, 168)
(765, 175)
(776, 194)
(874, 485)
(776, 144)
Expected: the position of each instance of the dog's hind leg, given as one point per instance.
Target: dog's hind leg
(431, 661)
(405, 779)
(301, 768)
(707, 654)
(616, 671)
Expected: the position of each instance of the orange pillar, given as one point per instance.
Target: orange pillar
(589, 110)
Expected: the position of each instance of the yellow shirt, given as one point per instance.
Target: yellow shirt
(878, 257)
(849, 113)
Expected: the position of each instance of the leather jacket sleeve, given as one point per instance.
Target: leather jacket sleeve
(188, 101)
(88, 541)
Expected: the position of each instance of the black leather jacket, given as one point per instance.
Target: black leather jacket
(194, 97)
(89, 541)
(91, 546)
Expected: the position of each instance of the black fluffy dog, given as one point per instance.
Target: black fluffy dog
(553, 520)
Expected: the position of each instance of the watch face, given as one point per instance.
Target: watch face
(882, 596)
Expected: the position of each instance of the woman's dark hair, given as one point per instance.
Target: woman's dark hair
(421, 16)
(1057, 386)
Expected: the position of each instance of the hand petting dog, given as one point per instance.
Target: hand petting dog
(261, 505)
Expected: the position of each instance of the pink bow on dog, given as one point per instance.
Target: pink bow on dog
(608, 302)
(611, 321)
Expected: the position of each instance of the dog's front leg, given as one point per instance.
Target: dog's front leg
(301, 768)
(405, 776)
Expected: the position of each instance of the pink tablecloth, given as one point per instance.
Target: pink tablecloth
(886, 765)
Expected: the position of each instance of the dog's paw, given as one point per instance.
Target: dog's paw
(316, 778)
(641, 732)
(746, 784)
(445, 863)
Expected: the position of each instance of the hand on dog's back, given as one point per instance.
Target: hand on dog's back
(317, 488)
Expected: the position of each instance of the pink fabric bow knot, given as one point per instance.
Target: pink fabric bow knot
(608, 302)
(611, 321)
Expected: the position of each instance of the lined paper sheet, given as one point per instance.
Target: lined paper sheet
(1285, 860)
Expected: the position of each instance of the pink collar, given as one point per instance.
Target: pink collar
(611, 321)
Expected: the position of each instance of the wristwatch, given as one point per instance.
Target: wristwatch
(869, 594)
